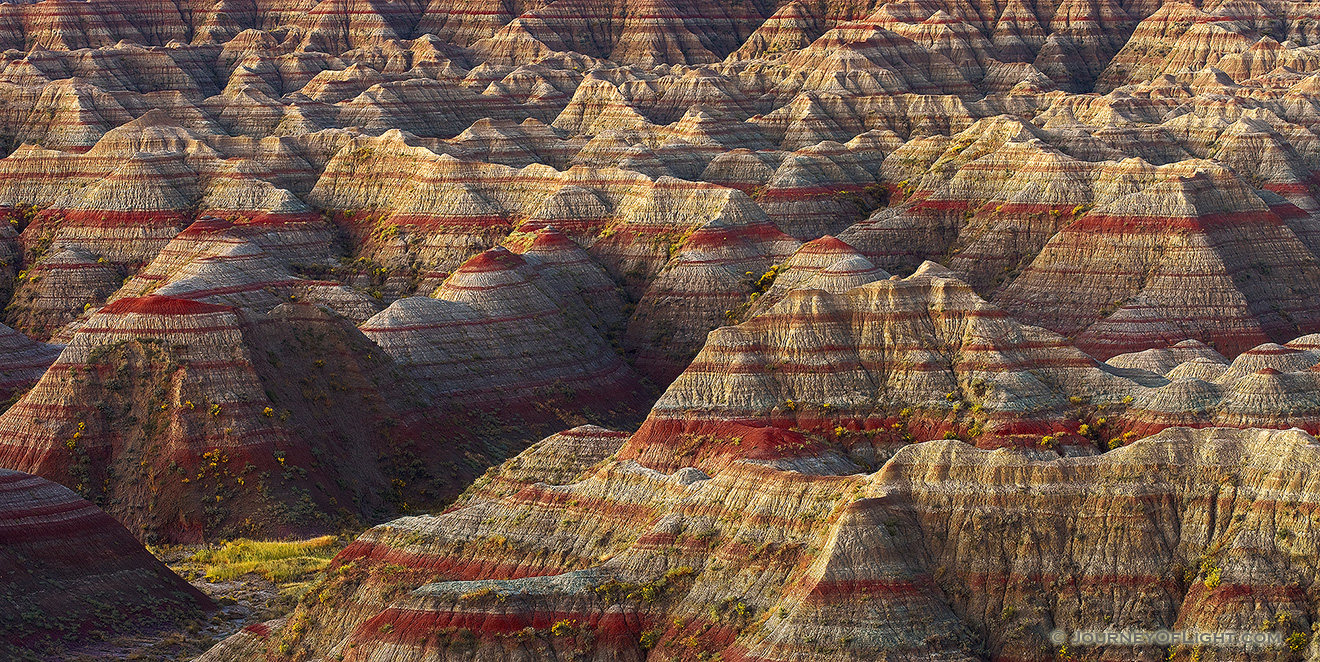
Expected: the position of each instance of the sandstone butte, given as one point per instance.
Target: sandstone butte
(848, 330)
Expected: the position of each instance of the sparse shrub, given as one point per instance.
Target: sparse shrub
(477, 594)
(681, 572)
(1297, 641)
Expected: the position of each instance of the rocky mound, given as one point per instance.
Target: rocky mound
(189, 420)
(219, 394)
(740, 520)
(368, 248)
(323, 263)
(757, 562)
(71, 572)
(425, 132)
(1019, 211)
(871, 368)
(515, 334)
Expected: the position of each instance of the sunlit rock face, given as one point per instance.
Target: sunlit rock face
(621, 559)
(282, 267)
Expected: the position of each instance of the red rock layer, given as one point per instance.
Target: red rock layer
(893, 361)
(868, 368)
(269, 100)
(58, 289)
(1268, 386)
(712, 272)
(680, 151)
(1021, 219)
(823, 264)
(1188, 265)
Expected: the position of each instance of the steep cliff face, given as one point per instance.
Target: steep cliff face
(218, 394)
(873, 367)
(423, 131)
(514, 335)
(891, 362)
(168, 412)
(1020, 210)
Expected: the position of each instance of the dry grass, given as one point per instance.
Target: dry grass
(278, 562)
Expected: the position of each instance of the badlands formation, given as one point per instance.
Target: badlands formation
(849, 330)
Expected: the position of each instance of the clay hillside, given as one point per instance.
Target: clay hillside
(666, 329)
(72, 573)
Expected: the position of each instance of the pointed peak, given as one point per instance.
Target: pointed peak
(930, 269)
(940, 17)
(153, 118)
(550, 238)
(161, 305)
(495, 259)
(828, 244)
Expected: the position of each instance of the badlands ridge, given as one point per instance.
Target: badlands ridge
(741, 330)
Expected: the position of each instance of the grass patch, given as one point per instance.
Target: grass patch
(278, 562)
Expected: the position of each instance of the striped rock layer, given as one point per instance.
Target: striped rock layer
(886, 363)
(69, 569)
(847, 377)
(741, 519)
(1019, 210)
(221, 394)
(190, 420)
(429, 132)
(22, 361)
(182, 417)
(946, 551)
(368, 248)
(515, 334)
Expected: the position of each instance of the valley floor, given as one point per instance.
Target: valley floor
(245, 600)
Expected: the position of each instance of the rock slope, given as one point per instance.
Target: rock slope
(945, 551)
(368, 248)
(71, 571)
(811, 488)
